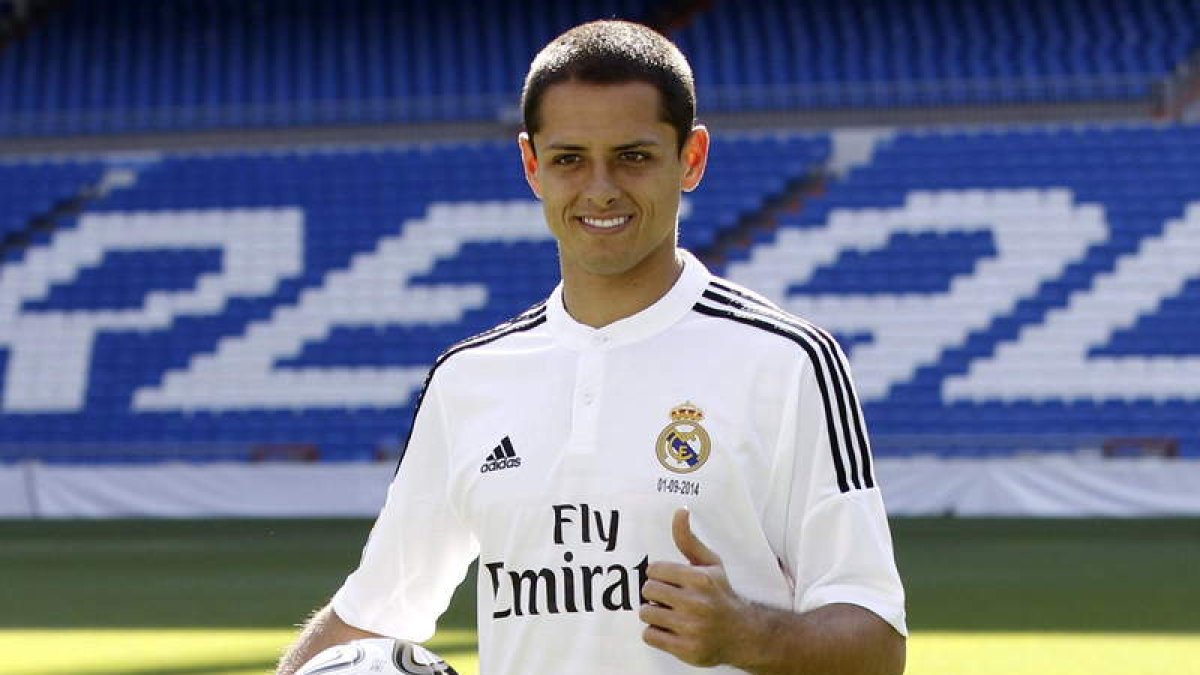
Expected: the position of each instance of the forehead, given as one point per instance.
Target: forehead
(582, 113)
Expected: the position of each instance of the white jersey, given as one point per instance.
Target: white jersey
(557, 453)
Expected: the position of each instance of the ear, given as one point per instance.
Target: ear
(529, 162)
(694, 157)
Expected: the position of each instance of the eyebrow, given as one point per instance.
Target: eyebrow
(571, 147)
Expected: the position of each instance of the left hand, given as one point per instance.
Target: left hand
(692, 612)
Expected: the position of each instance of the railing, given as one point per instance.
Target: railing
(260, 115)
(503, 108)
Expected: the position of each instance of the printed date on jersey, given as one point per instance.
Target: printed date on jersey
(676, 486)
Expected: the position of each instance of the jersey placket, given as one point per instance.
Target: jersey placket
(589, 382)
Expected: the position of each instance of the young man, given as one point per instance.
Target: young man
(657, 470)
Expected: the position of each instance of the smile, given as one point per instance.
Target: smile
(605, 223)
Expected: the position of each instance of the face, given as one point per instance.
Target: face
(609, 173)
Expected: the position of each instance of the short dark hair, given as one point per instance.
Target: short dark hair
(614, 52)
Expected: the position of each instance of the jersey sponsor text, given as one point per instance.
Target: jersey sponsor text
(570, 588)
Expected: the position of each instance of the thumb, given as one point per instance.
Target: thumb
(696, 552)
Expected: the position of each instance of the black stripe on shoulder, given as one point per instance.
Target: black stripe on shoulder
(832, 352)
(743, 293)
(527, 320)
(842, 412)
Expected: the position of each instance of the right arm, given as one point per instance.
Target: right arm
(416, 555)
(325, 629)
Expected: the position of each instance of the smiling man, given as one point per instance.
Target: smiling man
(657, 470)
(610, 171)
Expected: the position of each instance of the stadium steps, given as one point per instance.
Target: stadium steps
(758, 225)
(69, 189)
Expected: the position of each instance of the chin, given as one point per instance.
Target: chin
(607, 268)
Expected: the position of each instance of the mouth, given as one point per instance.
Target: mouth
(604, 224)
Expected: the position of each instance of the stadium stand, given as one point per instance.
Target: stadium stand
(998, 290)
(165, 276)
(1041, 229)
(124, 65)
(1016, 225)
(836, 53)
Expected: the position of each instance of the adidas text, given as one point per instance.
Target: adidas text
(509, 463)
(503, 457)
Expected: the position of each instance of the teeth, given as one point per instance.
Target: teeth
(605, 223)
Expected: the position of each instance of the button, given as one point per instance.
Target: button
(599, 340)
(588, 398)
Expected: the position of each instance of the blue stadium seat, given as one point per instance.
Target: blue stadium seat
(117, 66)
(355, 201)
(351, 200)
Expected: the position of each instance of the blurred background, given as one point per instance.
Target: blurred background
(234, 234)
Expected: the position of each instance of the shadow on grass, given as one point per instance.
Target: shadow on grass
(260, 665)
(264, 665)
(1050, 575)
(960, 574)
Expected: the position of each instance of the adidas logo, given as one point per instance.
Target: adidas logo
(503, 457)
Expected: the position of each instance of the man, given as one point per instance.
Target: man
(657, 469)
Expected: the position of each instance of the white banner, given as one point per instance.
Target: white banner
(1051, 486)
(15, 499)
(211, 490)
(1042, 487)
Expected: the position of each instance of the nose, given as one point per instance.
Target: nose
(600, 190)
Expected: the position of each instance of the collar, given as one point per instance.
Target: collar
(665, 312)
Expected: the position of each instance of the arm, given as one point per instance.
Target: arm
(325, 629)
(695, 615)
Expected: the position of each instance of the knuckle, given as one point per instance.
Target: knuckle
(656, 570)
(651, 614)
(707, 580)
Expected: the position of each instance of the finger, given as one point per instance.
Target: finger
(681, 647)
(696, 552)
(675, 574)
(663, 639)
(663, 618)
(667, 595)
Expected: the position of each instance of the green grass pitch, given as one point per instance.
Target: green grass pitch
(986, 597)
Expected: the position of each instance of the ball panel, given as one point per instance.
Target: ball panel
(377, 656)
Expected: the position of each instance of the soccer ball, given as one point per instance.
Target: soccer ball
(377, 656)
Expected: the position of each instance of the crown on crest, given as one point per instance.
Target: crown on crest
(687, 412)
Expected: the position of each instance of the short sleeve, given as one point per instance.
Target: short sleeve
(419, 549)
(839, 545)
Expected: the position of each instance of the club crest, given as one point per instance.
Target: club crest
(684, 445)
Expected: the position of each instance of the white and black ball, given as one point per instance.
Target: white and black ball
(376, 656)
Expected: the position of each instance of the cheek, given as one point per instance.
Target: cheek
(665, 198)
(556, 214)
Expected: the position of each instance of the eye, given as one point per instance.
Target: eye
(566, 159)
(635, 156)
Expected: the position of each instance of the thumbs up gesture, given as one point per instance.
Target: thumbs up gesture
(691, 611)
(696, 552)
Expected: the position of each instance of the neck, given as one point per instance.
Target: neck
(597, 300)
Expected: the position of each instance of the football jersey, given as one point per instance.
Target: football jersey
(557, 454)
